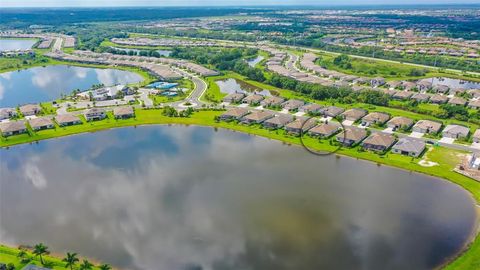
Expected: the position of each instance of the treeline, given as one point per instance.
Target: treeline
(90, 37)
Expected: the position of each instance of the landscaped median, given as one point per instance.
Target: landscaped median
(445, 158)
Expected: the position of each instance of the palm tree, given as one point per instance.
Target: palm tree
(105, 267)
(70, 260)
(39, 250)
(86, 265)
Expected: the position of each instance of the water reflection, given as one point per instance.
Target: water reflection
(191, 198)
(455, 83)
(254, 61)
(41, 84)
(16, 44)
(233, 85)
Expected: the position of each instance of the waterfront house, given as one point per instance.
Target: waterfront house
(375, 82)
(409, 147)
(123, 112)
(351, 136)
(354, 114)
(94, 114)
(30, 109)
(41, 123)
(375, 118)
(403, 95)
(272, 101)
(278, 121)
(420, 97)
(12, 128)
(6, 113)
(474, 104)
(257, 117)
(424, 85)
(253, 100)
(312, 108)
(438, 99)
(234, 114)
(443, 89)
(400, 122)
(324, 130)
(427, 126)
(300, 125)
(457, 101)
(407, 86)
(234, 97)
(476, 136)
(455, 131)
(67, 119)
(292, 104)
(378, 142)
(332, 111)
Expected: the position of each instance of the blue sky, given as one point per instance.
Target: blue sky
(61, 3)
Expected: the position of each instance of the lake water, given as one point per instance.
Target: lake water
(455, 83)
(178, 198)
(161, 52)
(233, 85)
(254, 61)
(16, 44)
(42, 84)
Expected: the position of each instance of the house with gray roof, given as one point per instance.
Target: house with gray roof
(441, 89)
(438, 99)
(332, 111)
(312, 108)
(354, 114)
(324, 130)
(474, 104)
(409, 147)
(420, 97)
(13, 128)
(455, 131)
(67, 119)
(400, 122)
(94, 114)
(234, 97)
(378, 81)
(424, 85)
(257, 117)
(427, 126)
(6, 113)
(234, 114)
(351, 136)
(403, 95)
(292, 104)
(379, 142)
(253, 100)
(41, 123)
(123, 112)
(457, 101)
(375, 118)
(300, 125)
(30, 109)
(278, 121)
(272, 101)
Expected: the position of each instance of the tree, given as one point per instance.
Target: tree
(86, 265)
(70, 260)
(39, 250)
(104, 267)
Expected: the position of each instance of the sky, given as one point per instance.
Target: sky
(100, 3)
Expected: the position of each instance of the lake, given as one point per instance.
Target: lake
(16, 44)
(254, 61)
(177, 198)
(230, 86)
(455, 83)
(40, 84)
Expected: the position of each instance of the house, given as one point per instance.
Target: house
(351, 136)
(400, 122)
(378, 142)
(253, 100)
(30, 109)
(420, 97)
(272, 101)
(389, 92)
(409, 147)
(67, 119)
(12, 128)
(476, 136)
(278, 121)
(455, 131)
(375, 82)
(457, 101)
(424, 85)
(34, 267)
(474, 104)
(441, 89)
(95, 114)
(474, 161)
(234, 97)
(403, 95)
(123, 112)
(300, 125)
(427, 126)
(257, 117)
(332, 111)
(324, 130)
(375, 118)
(6, 113)
(234, 114)
(312, 108)
(292, 104)
(394, 84)
(354, 114)
(407, 86)
(41, 123)
(438, 99)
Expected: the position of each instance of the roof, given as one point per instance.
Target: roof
(122, 111)
(324, 129)
(420, 96)
(438, 98)
(12, 126)
(30, 107)
(254, 98)
(457, 129)
(333, 110)
(235, 95)
(273, 99)
(66, 118)
(281, 119)
(377, 116)
(457, 101)
(258, 115)
(236, 112)
(293, 103)
(34, 267)
(312, 107)
(401, 121)
(355, 113)
(353, 133)
(474, 103)
(428, 124)
(381, 139)
(95, 111)
(403, 94)
(40, 122)
(301, 123)
(410, 145)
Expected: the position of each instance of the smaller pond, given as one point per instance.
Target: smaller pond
(230, 86)
(41, 84)
(254, 61)
(16, 44)
(455, 83)
(161, 52)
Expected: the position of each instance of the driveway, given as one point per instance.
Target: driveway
(348, 122)
(388, 130)
(447, 140)
(416, 135)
